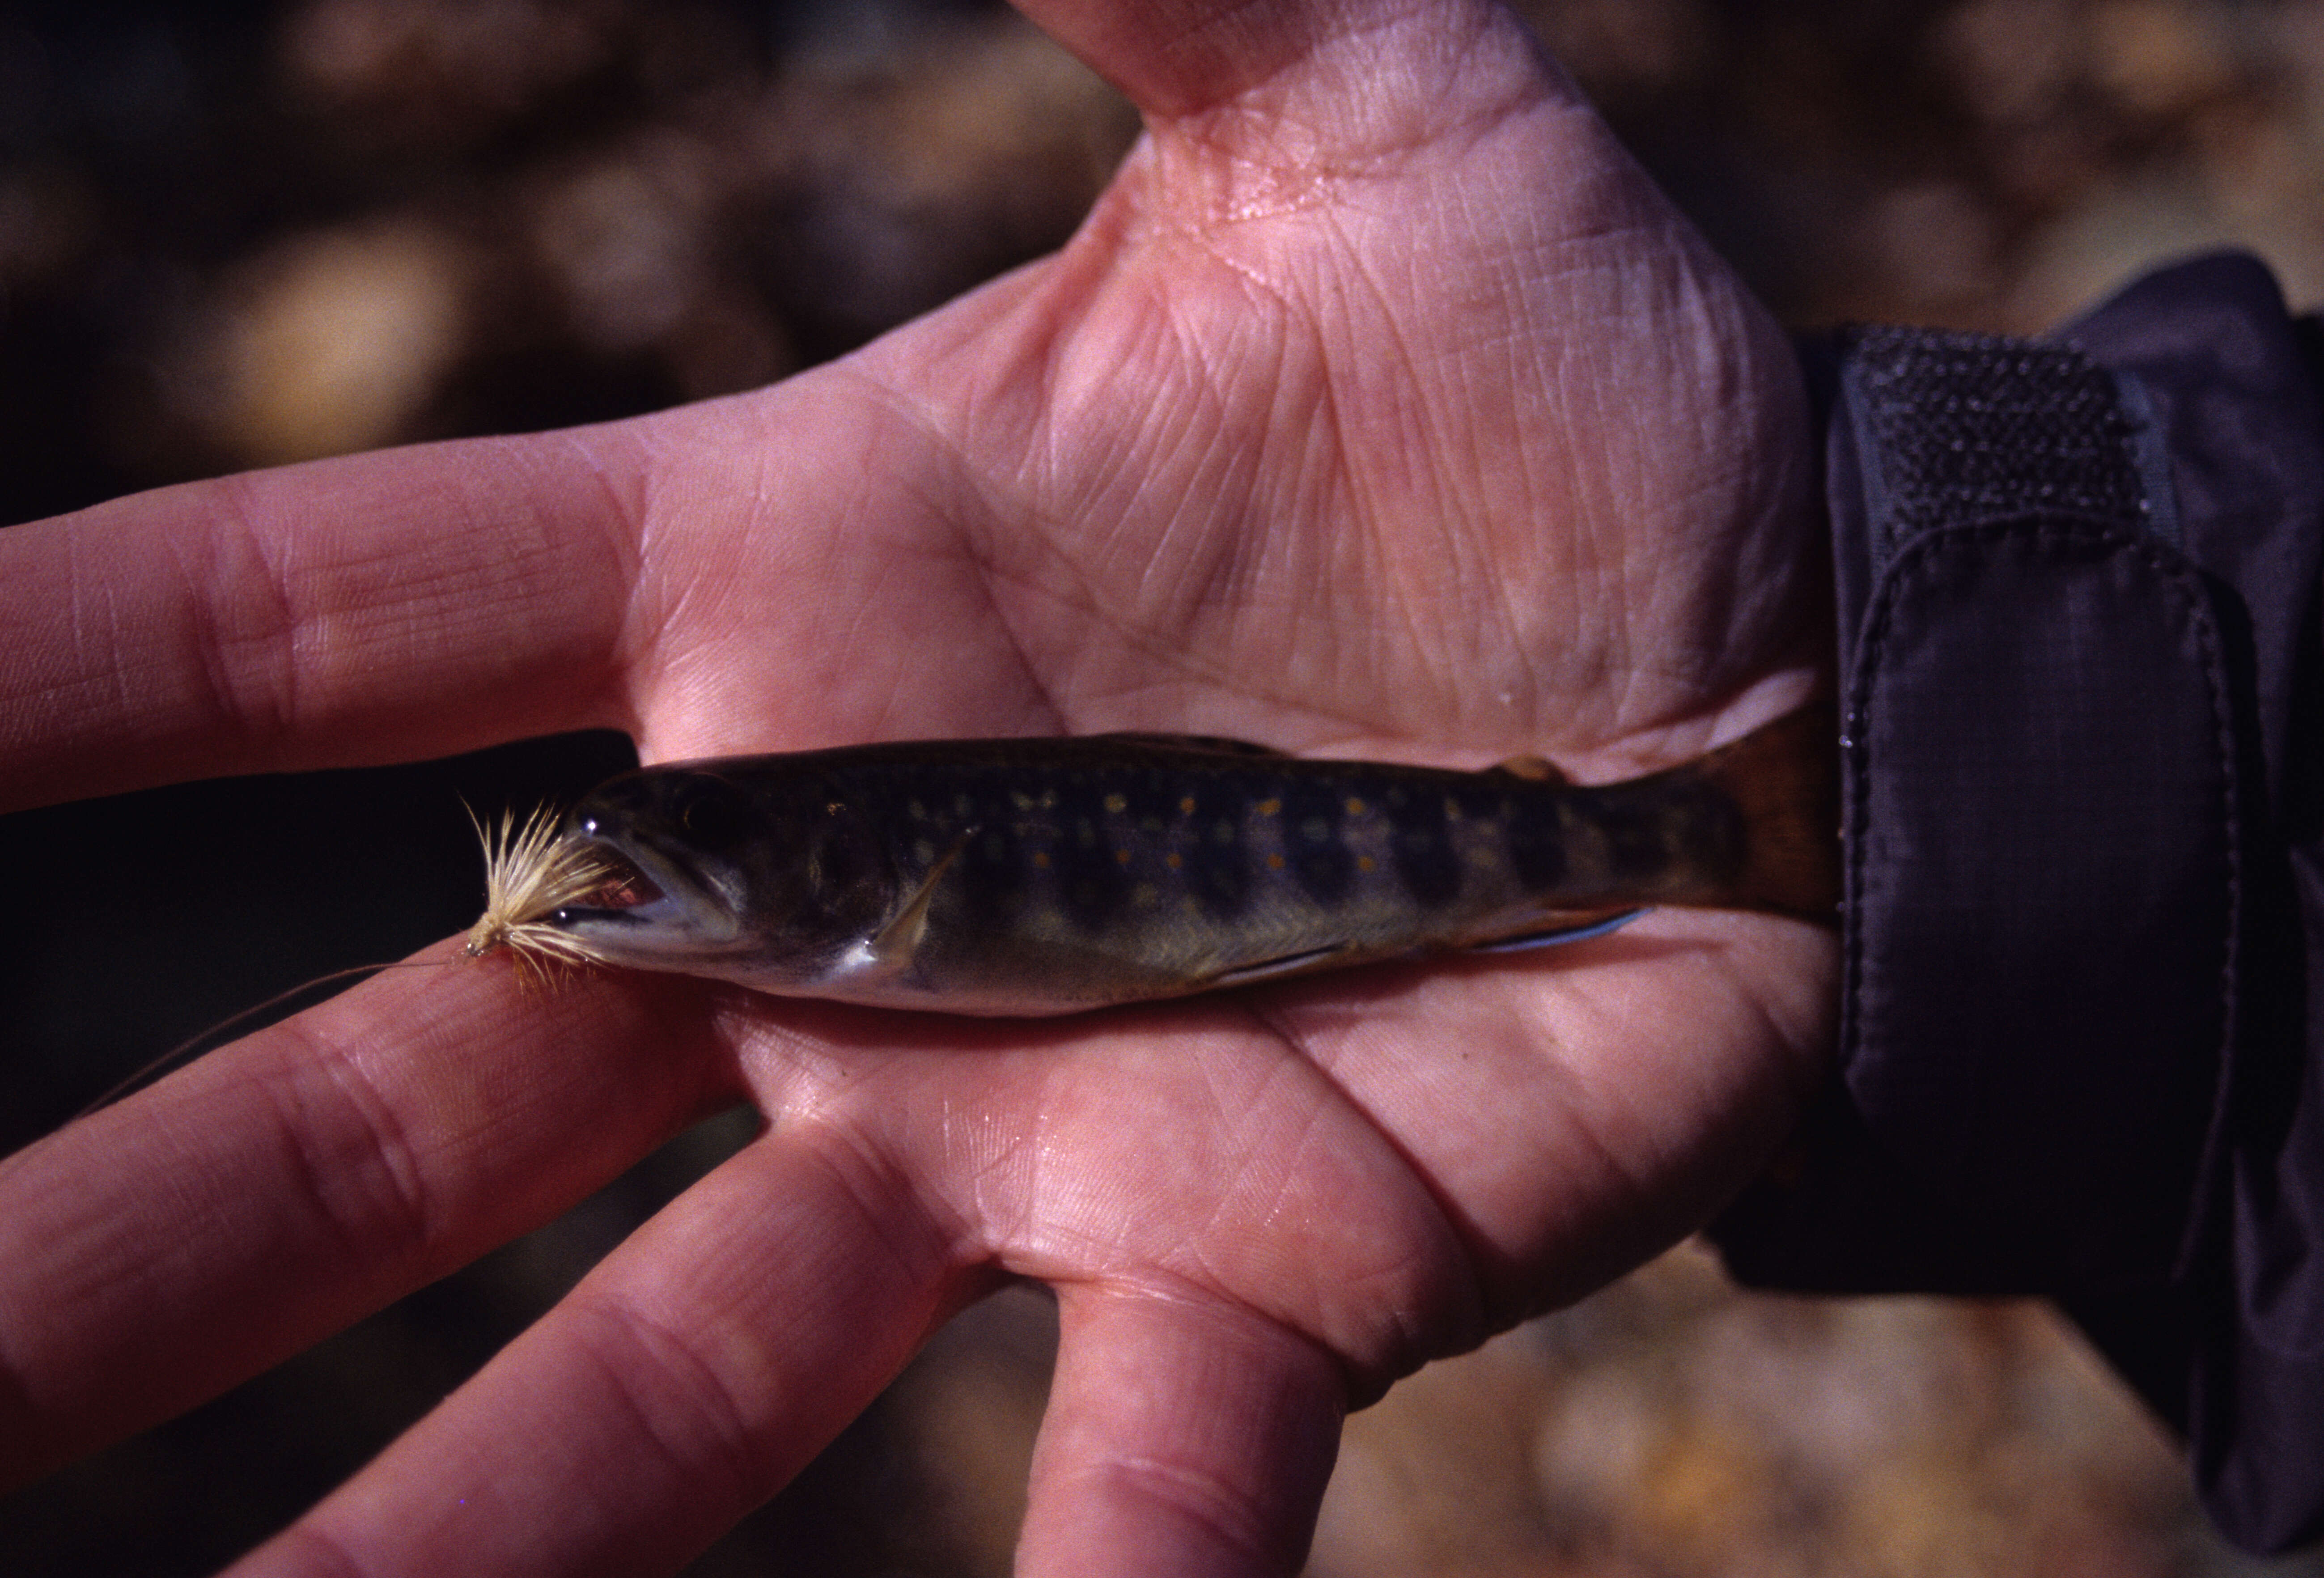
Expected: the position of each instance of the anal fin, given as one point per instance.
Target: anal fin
(1577, 928)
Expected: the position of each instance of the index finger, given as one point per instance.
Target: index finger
(408, 603)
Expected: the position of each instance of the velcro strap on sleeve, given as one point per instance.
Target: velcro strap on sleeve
(2041, 799)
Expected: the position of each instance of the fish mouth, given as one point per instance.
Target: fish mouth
(650, 908)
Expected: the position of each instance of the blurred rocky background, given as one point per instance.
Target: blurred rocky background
(251, 233)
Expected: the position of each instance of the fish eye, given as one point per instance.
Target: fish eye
(709, 810)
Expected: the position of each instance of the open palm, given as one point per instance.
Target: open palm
(1382, 407)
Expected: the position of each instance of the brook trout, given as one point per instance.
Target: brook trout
(1046, 876)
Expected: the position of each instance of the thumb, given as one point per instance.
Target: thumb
(1179, 59)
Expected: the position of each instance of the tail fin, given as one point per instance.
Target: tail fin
(1784, 778)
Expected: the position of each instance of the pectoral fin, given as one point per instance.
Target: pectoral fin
(900, 939)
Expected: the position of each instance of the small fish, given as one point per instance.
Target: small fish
(1046, 876)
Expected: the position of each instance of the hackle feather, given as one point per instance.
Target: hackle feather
(530, 872)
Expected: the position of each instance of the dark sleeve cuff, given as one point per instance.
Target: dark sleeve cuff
(2076, 583)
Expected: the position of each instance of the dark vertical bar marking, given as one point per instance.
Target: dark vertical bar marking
(1319, 858)
(1092, 886)
(1534, 836)
(992, 867)
(1217, 857)
(1420, 845)
(1636, 830)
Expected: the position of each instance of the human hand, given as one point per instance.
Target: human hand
(1381, 408)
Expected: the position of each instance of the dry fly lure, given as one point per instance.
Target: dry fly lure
(531, 873)
(1046, 876)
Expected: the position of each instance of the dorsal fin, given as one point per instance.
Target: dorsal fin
(1533, 769)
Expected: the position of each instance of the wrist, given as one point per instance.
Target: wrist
(2049, 712)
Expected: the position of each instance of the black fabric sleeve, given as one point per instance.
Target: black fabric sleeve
(2084, 825)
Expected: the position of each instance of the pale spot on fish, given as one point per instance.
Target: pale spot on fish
(1355, 807)
(1116, 804)
(1270, 807)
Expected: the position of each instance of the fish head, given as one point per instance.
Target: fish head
(742, 876)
